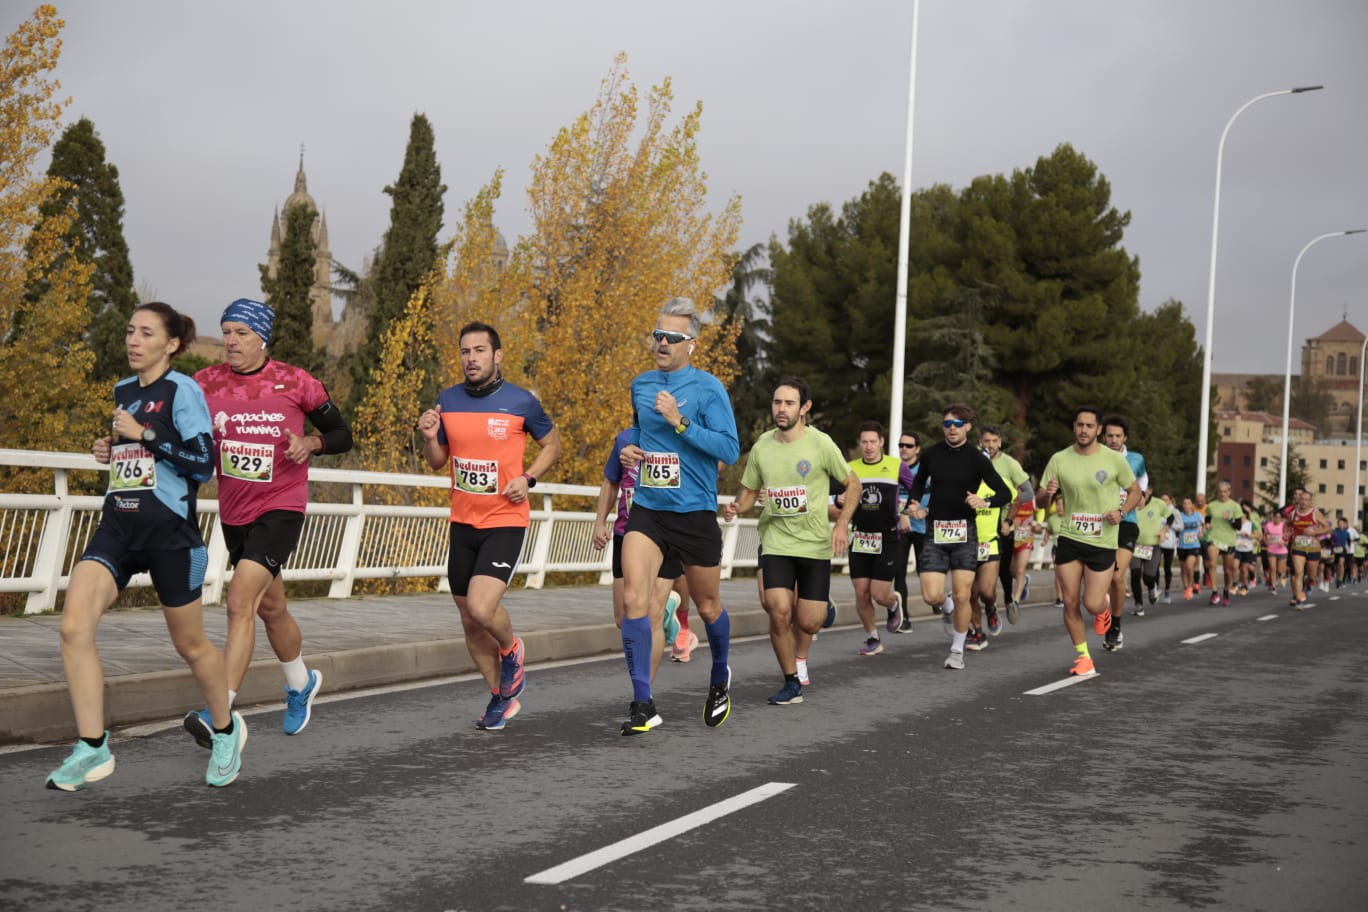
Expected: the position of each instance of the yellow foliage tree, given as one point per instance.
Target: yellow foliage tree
(42, 347)
(620, 225)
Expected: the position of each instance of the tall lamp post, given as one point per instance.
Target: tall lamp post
(895, 407)
(1287, 377)
(1205, 418)
(1358, 438)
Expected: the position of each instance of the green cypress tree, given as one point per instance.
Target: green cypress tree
(288, 292)
(95, 237)
(410, 247)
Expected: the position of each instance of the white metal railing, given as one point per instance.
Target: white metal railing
(43, 535)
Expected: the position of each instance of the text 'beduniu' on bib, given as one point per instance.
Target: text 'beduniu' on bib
(866, 542)
(1086, 523)
(131, 467)
(475, 476)
(247, 461)
(787, 501)
(950, 531)
(659, 470)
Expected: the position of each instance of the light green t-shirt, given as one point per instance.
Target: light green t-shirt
(1091, 486)
(1150, 520)
(795, 479)
(1225, 519)
(1010, 471)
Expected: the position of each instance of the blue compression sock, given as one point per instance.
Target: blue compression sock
(637, 646)
(719, 641)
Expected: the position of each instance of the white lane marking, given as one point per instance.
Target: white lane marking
(1198, 639)
(644, 840)
(1266, 617)
(1334, 598)
(1059, 685)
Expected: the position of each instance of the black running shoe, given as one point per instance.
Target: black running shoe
(644, 718)
(1112, 641)
(718, 707)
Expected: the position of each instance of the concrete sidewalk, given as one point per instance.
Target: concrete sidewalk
(354, 643)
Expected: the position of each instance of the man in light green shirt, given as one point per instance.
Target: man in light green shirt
(1223, 516)
(1093, 479)
(793, 466)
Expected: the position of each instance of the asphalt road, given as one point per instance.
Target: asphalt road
(1229, 773)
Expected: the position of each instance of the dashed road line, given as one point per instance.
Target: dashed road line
(1266, 617)
(1059, 685)
(1198, 639)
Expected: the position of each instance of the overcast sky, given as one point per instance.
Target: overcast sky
(203, 108)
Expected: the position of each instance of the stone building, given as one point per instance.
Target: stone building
(1332, 358)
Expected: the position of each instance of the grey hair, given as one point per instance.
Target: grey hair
(682, 307)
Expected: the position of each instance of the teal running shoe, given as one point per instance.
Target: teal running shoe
(85, 765)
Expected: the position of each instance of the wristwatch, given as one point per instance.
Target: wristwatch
(149, 436)
(531, 482)
(683, 425)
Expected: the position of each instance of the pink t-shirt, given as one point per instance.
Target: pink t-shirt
(250, 414)
(1273, 536)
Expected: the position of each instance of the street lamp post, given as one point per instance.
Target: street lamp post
(1204, 419)
(1287, 377)
(1358, 438)
(895, 407)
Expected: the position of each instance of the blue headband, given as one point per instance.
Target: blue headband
(257, 316)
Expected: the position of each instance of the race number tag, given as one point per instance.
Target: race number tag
(131, 467)
(1305, 543)
(1144, 552)
(866, 542)
(985, 552)
(659, 470)
(1086, 523)
(1023, 534)
(1190, 539)
(247, 461)
(475, 476)
(787, 501)
(950, 531)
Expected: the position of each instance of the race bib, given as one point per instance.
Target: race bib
(629, 495)
(1190, 538)
(985, 551)
(1022, 534)
(1086, 523)
(1305, 543)
(950, 531)
(247, 461)
(787, 501)
(659, 470)
(131, 467)
(475, 476)
(1144, 552)
(866, 542)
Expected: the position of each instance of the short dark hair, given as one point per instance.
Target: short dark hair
(798, 383)
(916, 438)
(990, 429)
(476, 326)
(872, 426)
(960, 411)
(1115, 421)
(1093, 410)
(177, 325)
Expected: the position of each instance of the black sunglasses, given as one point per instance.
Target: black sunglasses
(674, 338)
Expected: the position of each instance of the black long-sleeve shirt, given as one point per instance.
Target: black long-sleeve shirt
(951, 475)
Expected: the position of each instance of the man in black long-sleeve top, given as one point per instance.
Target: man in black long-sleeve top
(953, 471)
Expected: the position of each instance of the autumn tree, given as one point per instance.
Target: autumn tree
(90, 183)
(289, 289)
(42, 342)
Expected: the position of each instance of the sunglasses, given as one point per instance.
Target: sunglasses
(674, 338)
(906, 446)
(953, 423)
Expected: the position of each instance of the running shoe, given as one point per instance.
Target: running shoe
(803, 677)
(225, 758)
(1025, 589)
(200, 726)
(948, 616)
(1059, 603)
(671, 623)
(1153, 596)
(1243, 590)
(906, 625)
(1102, 622)
(955, 661)
(684, 645)
(1225, 600)
(872, 647)
(717, 708)
(792, 692)
(994, 622)
(1188, 593)
(85, 765)
(831, 614)
(975, 641)
(512, 677)
(895, 614)
(1083, 667)
(643, 718)
(1167, 600)
(1301, 604)
(299, 704)
(498, 713)
(1139, 610)
(1013, 612)
(1215, 598)
(1272, 590)
(1112, 641)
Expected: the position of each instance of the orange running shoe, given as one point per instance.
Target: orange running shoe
(1102, 622)
(683, 647)
(1083, 667)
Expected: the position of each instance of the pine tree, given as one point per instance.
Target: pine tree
(410, 248)
(91, 184)
(288, 292)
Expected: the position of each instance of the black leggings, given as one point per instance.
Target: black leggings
(1167, 554)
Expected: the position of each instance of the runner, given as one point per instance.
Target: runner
(259, 406)
(1168, 546)
(793, 465)
(1150, 519)
(1305, 526)
(1275, 535)
(874, 535)
(1092, 478)
(1189, 523)
(158, 456)
(479, 429)
(1341, 547)
(1223, 516)
(952, 471)
(1115, 433)
(1016, 585)
(1246, 544)
(1023, 527)
(684, 426)
(1054, 521)
(983, 603)
(911, 532)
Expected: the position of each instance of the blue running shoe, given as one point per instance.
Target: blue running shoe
(994, 622)
(831, 614)
(225, 760)
(498, 713)
(895, 614)
(1025, 588)
(201, 727)
(85, 765)
(299, 704)
(671, 622)
(512, 677)
(792, 692)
